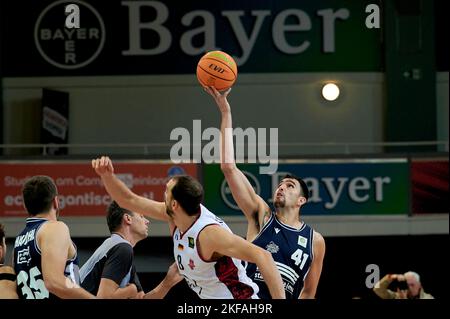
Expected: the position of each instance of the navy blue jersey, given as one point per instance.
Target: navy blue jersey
(27, 263)
(292, 252)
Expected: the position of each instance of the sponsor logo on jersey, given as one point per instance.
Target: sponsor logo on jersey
(302, 241)
(180, 247)
(258, 276)
(23, 256)
(191, 242)
(191, 264)
(277, 230)
(272, 247)
(288, 287)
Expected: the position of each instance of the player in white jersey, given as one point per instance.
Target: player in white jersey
(223, 278)
(208, 254)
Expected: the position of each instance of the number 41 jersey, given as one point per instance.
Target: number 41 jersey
(27, 264)
(292, 251)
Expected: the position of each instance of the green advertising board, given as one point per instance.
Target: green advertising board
(369, 187)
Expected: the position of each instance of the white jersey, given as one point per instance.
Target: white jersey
(224, 278)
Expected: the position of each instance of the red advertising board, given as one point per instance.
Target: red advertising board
(430, 186)
(80, 189)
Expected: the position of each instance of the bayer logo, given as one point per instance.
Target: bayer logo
(69, 48)
(225, 190)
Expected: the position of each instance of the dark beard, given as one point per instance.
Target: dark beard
(279, 203)
(169, 212)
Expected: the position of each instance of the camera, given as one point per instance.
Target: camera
(398, 284)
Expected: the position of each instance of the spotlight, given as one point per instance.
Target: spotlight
(330, 91)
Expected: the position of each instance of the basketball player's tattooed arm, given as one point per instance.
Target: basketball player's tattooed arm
(123, 195)
(252, 205)
(265, 218)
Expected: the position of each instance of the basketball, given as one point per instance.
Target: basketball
(218, 69)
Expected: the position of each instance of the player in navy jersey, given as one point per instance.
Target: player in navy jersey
(297, 249)
(45, 258)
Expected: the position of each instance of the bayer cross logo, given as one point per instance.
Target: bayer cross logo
(225, 191)
(68, 48)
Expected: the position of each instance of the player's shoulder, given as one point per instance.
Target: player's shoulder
(317, 237)
(121, 247)
(7, 270)
(208, 216)
(54, 226)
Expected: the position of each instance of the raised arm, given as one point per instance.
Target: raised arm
(237, 247)
(381, 287)
(252, 205)
(123, 195)
(54, 241)
(312, 279)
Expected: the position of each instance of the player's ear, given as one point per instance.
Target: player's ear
(301, 201)
(56, 202)
(174, 204)
(127, 218)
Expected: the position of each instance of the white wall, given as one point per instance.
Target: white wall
(144, 109)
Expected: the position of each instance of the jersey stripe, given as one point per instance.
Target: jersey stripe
(287, 275)
(288, 270)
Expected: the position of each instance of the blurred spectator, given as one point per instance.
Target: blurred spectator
(8, 285)
(398, 286)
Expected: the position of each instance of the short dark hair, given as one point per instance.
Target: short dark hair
(303, 186)
(2, 233)
(188, 192)
(38, 193)
(114, 216)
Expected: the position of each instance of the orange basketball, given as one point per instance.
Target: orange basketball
(218, 69)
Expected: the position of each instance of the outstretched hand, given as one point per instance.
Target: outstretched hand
(173, 275)
(103, 166)
(220, 98)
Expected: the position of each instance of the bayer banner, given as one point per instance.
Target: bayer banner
(125, 37)
(366, 187)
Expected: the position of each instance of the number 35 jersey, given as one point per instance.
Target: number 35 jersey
(292, 252)
(224, 278)
(28, 261)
